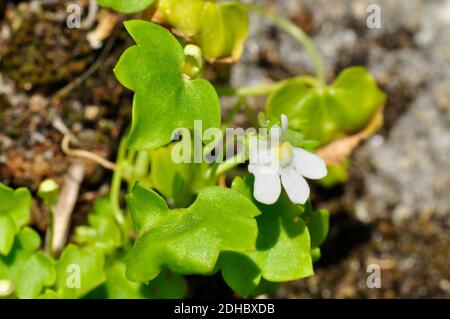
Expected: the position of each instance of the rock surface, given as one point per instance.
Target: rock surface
(410, 57)
(395, 209)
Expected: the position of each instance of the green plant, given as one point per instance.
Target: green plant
(14, 214)
(178, 221)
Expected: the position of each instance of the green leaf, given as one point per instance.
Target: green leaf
(117, 286)
(224, 30)
(145, 206)
(178, 182)
(51, 294)
(15, 203)
(7, 233)
(38, 272)
(28, 271)
(188, 241)
(318, 225)
(240, 271)
(79, 271)
(167, 286)
(185, 15)
(103, 233)
(356, 92)
(266, 287)
(282, 248)
(326, 113)
(164, 99)
(168, 177)
(25, 244)
(126, 6)
(220, 29)
(14, 214)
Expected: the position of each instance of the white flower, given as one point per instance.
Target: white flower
(282, 163)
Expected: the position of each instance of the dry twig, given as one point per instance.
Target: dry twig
(65, 205)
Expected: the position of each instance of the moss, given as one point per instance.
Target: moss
(43, 51)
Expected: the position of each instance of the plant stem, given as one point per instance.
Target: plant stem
(267, 89)
(299, 35)
(248, 91)
(229, 164)
(51, 231)
(115, 187)
(235, 160)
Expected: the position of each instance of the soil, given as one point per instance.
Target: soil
(39, 56)
(378, 217)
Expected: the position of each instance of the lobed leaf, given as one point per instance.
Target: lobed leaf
(29, 271)
(103, 231)
(38, 272)
(164, 99)
(220, 29)
(14, 214)
(117, 286)
(282, 248)
(326, 113)
(87, 263)
(188, 241)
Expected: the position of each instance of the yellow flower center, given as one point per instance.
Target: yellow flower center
(285, 154)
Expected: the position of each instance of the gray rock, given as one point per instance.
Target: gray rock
(410, 58)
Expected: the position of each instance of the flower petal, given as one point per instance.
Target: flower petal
(308, 164)
(267, 188)
(295, 185)
(264, 160)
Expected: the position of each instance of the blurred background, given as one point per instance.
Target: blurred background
(394, 211)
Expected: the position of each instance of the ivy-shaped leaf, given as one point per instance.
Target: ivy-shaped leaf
(324, 113)
(224, 30)
(14, 213)
(220, 29)
(126, 6)
(166, 286)
(164, 98)
(188, 241)
(28, 271)
(38, 272)
(103, 232)
(282, 248)
(183, 15)
(78, 272)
